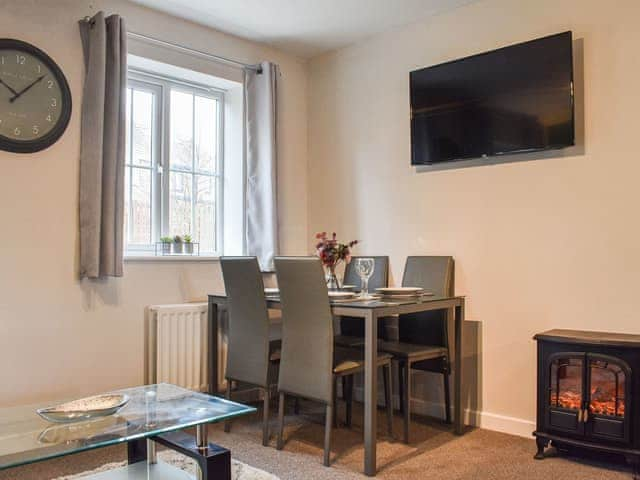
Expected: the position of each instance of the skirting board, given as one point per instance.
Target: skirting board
(486, 420)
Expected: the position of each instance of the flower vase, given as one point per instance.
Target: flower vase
(332, 279)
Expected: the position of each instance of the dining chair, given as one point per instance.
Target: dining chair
(253, 346)
(423, 342)
(310, 364)
(352, 328)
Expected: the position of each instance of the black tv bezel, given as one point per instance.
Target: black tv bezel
(509, 152)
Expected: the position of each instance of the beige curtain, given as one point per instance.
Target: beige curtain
(261, 222)
(102, 151)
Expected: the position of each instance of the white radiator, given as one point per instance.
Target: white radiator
(176, 346)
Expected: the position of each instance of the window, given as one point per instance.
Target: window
(173, 176)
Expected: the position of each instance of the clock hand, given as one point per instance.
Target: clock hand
(17, 95)
(10, 89)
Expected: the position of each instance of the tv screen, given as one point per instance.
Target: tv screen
(515, 99)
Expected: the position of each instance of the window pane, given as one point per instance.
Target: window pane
(128, 128)
(180, 203)
(142, 121)
(140, 206)
(205, 213)
(206, 133)
(181, 130)
(127, 202)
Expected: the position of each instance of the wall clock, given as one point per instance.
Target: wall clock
(35, 100)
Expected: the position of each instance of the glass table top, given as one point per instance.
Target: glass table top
(151, 410)
(379, 302)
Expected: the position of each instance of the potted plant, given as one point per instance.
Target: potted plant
(166, 245)
(188, 244)
(331, 253)
(177, 244)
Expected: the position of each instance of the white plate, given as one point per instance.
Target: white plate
(348, 287)
(400, 290)
(409, 296)
(271, 291)
(341, 295)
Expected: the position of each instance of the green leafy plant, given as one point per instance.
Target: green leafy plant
(187, 238)
(177, 239)
(166, 239)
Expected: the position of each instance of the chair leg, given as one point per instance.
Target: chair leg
(227, 423)
(406, 379)
(388, 399)
(265, 418)
(296, 406)
(334, 417)
(447, 398)
(327, 435)
(348, 381)
(401, 386)
(281, 402)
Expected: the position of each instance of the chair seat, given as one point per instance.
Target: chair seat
(347, 361)
(275, 331)
(348, 341)
(275, 350)
(412, 351)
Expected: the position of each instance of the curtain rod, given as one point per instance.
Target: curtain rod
(209, 56)
(192, 51)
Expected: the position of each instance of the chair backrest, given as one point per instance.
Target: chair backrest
(248, 336)
(351, 326)
(379, 279)
(306, 363)
(435, 275)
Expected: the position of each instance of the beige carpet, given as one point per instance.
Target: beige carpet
(434, 454)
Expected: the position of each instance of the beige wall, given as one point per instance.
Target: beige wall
(59, 336)
(551, 242)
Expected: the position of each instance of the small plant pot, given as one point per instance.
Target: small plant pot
(188, 248)
(166, 248)
(177, 248)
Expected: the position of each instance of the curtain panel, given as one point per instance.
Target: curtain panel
(102, 150)
(261, 211)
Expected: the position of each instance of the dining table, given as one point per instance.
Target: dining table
(369, 310)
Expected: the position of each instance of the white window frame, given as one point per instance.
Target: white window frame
(161, 86)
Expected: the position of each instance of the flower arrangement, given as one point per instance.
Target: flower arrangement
(331, 252)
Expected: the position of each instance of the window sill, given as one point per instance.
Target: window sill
(171, 259)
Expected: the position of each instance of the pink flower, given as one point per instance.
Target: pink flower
(330, 251)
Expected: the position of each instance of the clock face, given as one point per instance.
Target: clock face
(35, 102)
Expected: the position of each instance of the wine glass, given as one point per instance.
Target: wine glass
(364, 269)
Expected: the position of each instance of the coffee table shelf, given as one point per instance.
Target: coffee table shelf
(142, 471)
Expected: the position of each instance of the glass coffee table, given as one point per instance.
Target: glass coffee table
(154, 414)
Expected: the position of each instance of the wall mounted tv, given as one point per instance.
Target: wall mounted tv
(512, 100)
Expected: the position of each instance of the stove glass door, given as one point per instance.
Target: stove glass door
(608, 379)
(566, 392)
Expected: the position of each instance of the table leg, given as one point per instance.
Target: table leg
(152, 456)
(457, 388)
(136, 451)
(370, 391)
(201, 442)
(214, 462)
(213, 347)
(202, 439)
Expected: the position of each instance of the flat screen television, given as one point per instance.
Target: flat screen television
(511, 100)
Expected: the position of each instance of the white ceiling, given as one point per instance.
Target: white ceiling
(304, 27)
